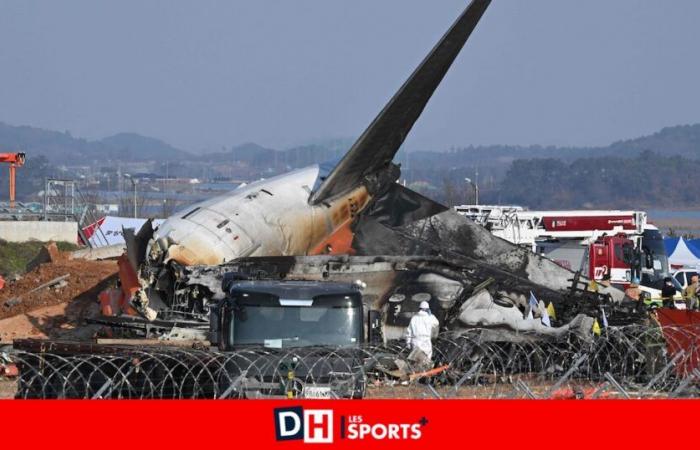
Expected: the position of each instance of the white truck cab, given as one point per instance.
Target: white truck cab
(683, 276)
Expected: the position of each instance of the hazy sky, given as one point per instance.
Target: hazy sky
(202, 74)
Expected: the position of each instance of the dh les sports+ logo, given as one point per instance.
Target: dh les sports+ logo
(317, 426)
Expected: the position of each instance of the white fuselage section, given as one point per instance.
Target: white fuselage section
(269, 217)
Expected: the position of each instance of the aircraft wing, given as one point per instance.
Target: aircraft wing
(375, 149)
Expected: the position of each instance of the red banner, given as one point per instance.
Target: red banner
(349, 424)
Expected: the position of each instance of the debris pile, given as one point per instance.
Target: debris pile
(53, 280)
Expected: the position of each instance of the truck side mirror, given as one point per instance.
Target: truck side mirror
(374, 327)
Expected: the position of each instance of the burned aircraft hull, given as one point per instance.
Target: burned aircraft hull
(268, 217)
(395, 286)
(406, 248)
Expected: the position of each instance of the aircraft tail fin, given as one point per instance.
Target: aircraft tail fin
(377, 146)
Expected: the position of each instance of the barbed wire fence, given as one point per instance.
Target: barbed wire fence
(627, 362)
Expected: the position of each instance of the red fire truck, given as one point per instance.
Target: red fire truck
(621, 244)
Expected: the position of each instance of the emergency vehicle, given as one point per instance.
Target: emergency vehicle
(621, 244)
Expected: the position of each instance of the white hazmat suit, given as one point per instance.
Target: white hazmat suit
(420, 331)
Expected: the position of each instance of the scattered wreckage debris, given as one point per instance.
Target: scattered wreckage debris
(461, 296)
(581, 393)
(53, 299)
(165, 330)
(57, 283)
(428, 373)
(98, 253)
(8, 369)
(467, 362)
(85, 278)
(155, 342)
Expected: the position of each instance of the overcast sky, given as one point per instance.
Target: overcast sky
(203, 74)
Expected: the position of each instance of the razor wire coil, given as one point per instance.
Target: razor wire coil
(634, 361)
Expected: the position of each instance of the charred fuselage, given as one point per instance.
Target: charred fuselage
(406, 248)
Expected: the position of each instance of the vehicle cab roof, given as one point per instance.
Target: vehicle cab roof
(293, 289)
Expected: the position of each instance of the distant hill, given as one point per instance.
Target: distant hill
(35, 141)
(650, 170)
(497, 164)
(683, 140)
(654, 171)
(249, 153)
(63, 148)
(132, 146)
(647, 180)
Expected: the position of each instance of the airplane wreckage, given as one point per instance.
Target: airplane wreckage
(353, 221)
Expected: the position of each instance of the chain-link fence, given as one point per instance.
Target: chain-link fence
(629, 362)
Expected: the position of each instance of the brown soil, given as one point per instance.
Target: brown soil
(86, 280)
(8, 388)
(63, 321)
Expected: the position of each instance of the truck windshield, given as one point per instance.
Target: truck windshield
(654, 259)
(296, 326)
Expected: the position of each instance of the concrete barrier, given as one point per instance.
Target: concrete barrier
(23, 231)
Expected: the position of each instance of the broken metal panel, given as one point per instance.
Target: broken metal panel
(455, 238)
(481, 311)
(397, 205)
(379, 273)
(397, 284)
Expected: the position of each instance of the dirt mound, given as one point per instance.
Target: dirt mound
(85, 280)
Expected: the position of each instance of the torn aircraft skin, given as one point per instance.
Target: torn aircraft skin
(357, 208)
(461, 295)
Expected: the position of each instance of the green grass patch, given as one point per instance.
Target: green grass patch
(14, 256)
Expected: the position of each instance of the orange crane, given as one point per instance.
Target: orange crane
(15, 160)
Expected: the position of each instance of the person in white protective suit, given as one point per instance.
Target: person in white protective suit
(419, 335)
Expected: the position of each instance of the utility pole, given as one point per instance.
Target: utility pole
(476, 188)
(133, 183)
